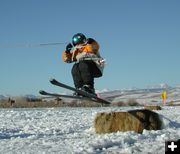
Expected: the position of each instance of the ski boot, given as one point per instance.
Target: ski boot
(89, 89)
(76, 93)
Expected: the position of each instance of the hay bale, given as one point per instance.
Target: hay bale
(134, 120)
(152, 107)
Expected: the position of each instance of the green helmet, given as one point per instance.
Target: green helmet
(78, 39)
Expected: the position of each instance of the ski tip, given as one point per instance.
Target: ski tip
(42, 92)
(52, 80)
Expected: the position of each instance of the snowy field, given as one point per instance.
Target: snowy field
(70, 130)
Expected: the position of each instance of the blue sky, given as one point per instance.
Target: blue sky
(139, 39)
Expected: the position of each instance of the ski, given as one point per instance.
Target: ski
(42, 92)
(83, 93)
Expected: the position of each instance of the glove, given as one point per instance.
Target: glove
(68, 60)
(68, 48)
(90, 40)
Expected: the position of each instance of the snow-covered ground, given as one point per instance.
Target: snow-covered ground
(70, 130)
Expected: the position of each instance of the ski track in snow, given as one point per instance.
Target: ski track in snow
(70, 130)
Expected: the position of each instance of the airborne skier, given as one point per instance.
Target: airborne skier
(84, 52)
(88, 62)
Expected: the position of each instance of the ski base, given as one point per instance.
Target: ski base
(80, 92)
(42, 92)
(83, 94)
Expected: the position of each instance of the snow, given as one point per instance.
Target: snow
(70, 130)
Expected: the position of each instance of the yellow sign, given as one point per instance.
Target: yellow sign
(164, 97)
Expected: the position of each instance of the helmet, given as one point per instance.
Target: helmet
(78, 39)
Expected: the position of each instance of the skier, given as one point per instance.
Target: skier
(84, 52)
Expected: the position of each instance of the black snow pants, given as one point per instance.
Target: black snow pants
(84, 72)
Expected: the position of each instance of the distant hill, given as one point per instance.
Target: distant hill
(2, 97)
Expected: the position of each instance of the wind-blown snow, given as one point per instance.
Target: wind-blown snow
(70, 130)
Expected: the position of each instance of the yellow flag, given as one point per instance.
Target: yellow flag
(164, 97)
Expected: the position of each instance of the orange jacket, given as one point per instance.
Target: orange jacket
(90, 47)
